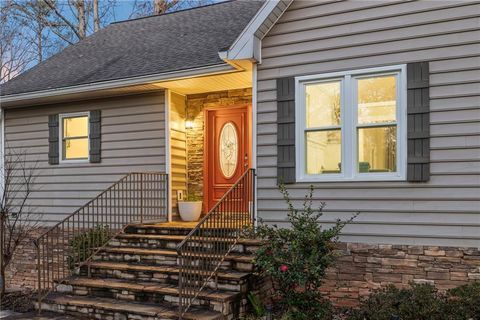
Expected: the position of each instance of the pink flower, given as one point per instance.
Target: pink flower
(283, 268)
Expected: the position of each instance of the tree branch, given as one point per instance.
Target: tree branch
(59, 15)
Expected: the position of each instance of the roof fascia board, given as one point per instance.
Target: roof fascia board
(112, 84)
(247, 46)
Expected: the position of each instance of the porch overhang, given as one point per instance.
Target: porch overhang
(111, 88)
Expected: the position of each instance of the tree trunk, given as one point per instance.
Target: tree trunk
(96, 18)
(82, 26)
(159, 6)
(39, 41)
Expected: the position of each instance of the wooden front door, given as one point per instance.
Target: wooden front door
(227, 150)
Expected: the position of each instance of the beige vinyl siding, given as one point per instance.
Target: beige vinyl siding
(133, 139)
(178, 140)
(314, 37)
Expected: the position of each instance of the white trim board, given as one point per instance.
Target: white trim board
(60, 137)
(168, 161)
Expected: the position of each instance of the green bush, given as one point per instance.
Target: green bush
(257, 305)
(421, 302)
(463, 302)
(84, 244)
(296, 259)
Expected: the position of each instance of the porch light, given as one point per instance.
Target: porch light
(189, 124)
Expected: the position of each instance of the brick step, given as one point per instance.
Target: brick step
(156, 241)
(165, 257)
(107, 309)
(145, 292)
(227, 280)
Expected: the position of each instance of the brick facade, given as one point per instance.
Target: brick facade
(195, 107)
(22, 271)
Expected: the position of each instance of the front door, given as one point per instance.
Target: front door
(227, 153)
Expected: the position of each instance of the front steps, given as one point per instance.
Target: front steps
(136, 277)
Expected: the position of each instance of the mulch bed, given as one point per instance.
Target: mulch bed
(20, 300)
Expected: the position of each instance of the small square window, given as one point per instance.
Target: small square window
(75, 137)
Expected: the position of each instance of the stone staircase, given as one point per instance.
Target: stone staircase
(136, 277)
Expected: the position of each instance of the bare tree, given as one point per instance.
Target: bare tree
(32, 16)
(15, 52)
(141, 8)
(17, 220)
(68, 29)
(32, 30)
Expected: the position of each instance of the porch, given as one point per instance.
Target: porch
(209, 136)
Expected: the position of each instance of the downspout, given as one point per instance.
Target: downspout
(254, 142)
(168, 153)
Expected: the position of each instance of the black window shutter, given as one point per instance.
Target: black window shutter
(418, 122)
(95, 136)
(286, 130)
(53, 139)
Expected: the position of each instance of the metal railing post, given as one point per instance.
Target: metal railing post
(180, 288)
(254, 180)
(141, 198)
(39, 284)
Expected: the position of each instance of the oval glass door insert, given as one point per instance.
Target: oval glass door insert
(228, 153)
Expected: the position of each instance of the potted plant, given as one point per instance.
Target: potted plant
(190, 208)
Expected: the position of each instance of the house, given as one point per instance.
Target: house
(375, 103)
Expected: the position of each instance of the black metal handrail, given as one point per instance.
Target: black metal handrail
(71, 243)
(205, 248)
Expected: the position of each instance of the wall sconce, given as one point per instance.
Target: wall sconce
(189, 124)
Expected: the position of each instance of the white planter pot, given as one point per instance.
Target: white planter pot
(190, 210)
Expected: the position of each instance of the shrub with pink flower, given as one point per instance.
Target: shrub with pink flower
(296, 259)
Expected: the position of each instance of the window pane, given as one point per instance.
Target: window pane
(323, 104)
(377, 99)
(75, 127)
(324, 152)
(75, 149)
(377, 149)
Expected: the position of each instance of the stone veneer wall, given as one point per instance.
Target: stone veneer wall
(195, 106)
(362, 268)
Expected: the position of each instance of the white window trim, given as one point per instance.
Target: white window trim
(60, 136)
(349, 123)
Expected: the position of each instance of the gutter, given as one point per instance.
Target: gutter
(119, 83)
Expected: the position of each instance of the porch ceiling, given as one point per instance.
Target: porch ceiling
(219, 82)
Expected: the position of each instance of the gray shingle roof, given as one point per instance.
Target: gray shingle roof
(171, 42)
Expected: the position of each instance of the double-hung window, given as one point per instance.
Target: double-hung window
(74, 133)
(351, 125)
